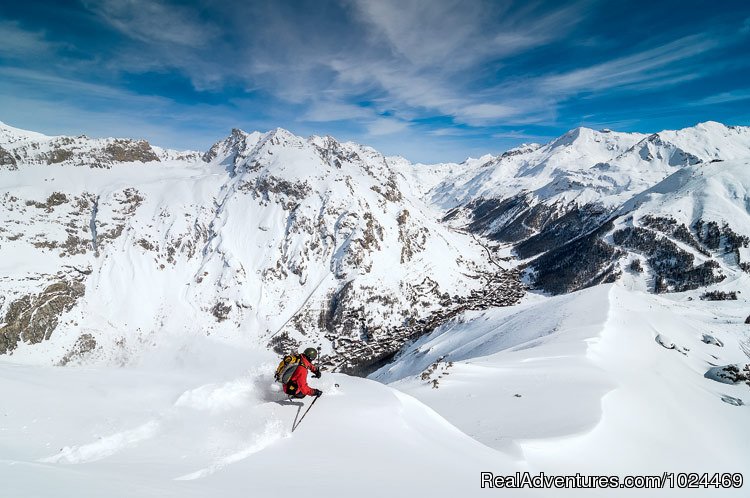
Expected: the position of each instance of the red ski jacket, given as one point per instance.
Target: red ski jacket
(298, 380)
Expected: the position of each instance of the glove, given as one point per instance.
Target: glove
(317, 374)
(317, 393)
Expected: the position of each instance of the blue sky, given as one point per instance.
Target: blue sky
(430, 80)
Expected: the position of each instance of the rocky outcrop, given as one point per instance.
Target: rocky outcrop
(7, 161)
(130, 150)
(33, 318)
(82, 151)
(730, 374)
(54, 200)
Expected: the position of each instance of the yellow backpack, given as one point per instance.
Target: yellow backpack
(287, 367)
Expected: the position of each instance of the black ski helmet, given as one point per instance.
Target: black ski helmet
(311, 353)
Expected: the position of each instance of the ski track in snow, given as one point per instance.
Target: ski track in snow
(106, 446)
(272, 433)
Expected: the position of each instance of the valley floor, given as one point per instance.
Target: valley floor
(604, 381)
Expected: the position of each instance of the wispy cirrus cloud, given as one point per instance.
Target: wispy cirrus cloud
(156, 21)
(386, 126)
(18, 43)
(723, 98)
(655, 66)
(430, 34)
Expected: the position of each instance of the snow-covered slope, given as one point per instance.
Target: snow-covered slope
(691, 230)
(588, 166)
(541, 197)
(211, 427)
(606, 379)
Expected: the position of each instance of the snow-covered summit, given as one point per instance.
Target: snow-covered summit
(232, 147)
(585, 165)
(556, 171)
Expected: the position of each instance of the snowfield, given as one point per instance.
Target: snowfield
(220, 428)
(606, 381)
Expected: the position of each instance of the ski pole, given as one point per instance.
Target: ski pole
(303, 415)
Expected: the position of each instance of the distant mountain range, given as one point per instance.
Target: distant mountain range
(112, 245)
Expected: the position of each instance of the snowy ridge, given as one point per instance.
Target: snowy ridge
(575, 376)
(25, 148)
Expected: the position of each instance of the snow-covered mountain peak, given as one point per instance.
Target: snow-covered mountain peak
(236, 146)
(281, 136)
(521, 149)
(588, 141)
(323, 141)
(571, 136)
(712, 126)
(711, 140)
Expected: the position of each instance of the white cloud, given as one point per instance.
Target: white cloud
(18, 43)
(723, 98)
(653, 67)
(453, 34)
(155, 21)
(322, 111)
(385, 126)
(520, 135)
(488, 111)
(449, 132)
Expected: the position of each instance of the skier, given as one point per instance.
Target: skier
(296, 385)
